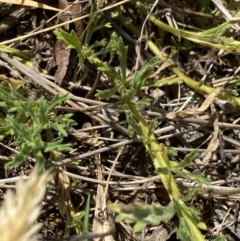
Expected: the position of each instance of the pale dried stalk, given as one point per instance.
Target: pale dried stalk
(193, 112)
(21, 209)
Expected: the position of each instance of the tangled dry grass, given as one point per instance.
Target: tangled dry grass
(186, 119)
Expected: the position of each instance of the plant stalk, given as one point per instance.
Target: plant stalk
(201, 88)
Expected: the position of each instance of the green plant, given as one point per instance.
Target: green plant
(32, 125)
(189, 217)
(85, 50)
(80, 220)
(204, 38)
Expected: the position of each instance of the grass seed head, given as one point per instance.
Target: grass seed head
(20, 210)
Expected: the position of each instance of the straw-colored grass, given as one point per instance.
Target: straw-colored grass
(21, 209)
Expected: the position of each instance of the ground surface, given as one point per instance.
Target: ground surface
(125, 173)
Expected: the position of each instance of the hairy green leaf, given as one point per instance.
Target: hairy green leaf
(107, 93)
(57, 99)
(183, 232)
(72, 41)
(123, 108)
(116, 44)
(189, 158)
(140, 77)
(26, 122)
(143, 215)
(57, 146)
(111, 72)
(195, 177)
(152, 126)
(192, 192)
(171, 151)
(134, 125)
(18, 128)
(143, 102)
(195, 214)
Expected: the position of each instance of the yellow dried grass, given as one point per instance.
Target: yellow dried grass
(30, 3)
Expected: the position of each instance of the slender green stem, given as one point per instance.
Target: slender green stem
(156, 153)
(188, 81)
(212, 38)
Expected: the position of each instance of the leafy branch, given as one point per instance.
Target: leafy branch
(194, 37)
(190, 222)
(26, 121)
(157, 152)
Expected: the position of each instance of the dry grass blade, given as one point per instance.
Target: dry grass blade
(20, 210)
(63, 201)
(192, 112)
(30, 3)
(61, 24)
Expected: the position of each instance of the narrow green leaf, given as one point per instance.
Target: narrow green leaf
(68, 116)
(183, 232)
(140, 225)
(17, 161)
(122, 53)
(57, 146)
(13, 109)
(61, 131)
(110, 72)
(195, 177)
(107, 93)
(189, 158)
(58, 99)
(86, 215)
(19, 158)
(171, 151)
(97, 44)
(193, 191)
(140, 77)
(102, 24)
(18, 128)
(116, 45)
(152, 126)
(123, 108)
(72, 42)
(135, 126)
(191, 214)
(144, 102)
(93, 22)
(115, 207)
(188, 225)
(70, 39)
(130, 131)
(42, 112)
(3, 103)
